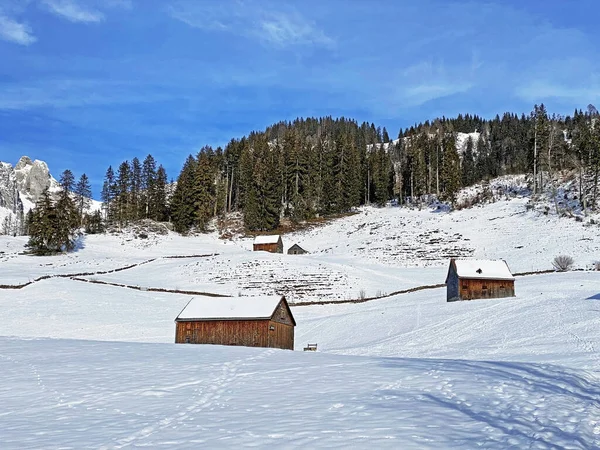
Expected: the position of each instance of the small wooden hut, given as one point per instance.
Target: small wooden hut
(268, 243)
(296, 250)
(246, 321)
(475, 279)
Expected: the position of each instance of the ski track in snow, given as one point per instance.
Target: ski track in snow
(201, 399)
(121, 395)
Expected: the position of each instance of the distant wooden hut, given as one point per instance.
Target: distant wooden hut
(475, 279)
(296, 250)
(268, 243)
(246, 321)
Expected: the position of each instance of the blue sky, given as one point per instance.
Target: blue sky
(85, 84)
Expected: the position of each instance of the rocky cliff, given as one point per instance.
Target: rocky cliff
(20, 187)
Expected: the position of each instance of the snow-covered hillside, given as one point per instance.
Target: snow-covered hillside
(372, 253)
(406, 371)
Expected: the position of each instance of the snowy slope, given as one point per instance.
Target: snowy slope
(407, 371)
(375, 252)
(553, 319)
(85, 394)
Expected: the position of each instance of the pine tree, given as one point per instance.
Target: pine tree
(83, 195)
(123, 193)
(481, 161)
(67, 216)
(53, 225)
(159, 196)
(136, 210)
(43, 224)
(148, 184)
(67, 181)
(468, 164)
(541, 133)
(248, 189)
(203, 192)
(182, 207)
(266, 171)
(386, 136)
(451, 173)
(382, 176)
(108, 194)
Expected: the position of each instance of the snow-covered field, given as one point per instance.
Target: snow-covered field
(87, 394)
(92, 365)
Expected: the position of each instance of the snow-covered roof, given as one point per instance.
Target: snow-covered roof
(267, 239)
(483, 269)
(229, 308)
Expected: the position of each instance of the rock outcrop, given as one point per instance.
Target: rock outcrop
(20, 187)
(9, 191)
(32, 177)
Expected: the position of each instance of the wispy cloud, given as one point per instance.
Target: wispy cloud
(539, 91)
(553, 79)
(284, 29)
(425, 81)
(76, 93)
(76, 11)
(13, 31)
(73, 11)
(272, 25)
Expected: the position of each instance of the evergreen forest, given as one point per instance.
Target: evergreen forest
(315, 167)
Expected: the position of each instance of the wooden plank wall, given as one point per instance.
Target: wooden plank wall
(281, 336)
(249, 333)
(474, 289)
(272, 248)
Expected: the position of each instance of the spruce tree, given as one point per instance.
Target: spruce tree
(159, 206)
(43, 226)
(136, 210)
(182, 203)
(203, 192)
(468, 164)
(382, 176)
(67, 215)
(148, 184)
(83, 195)
(451, 174)
(67, 181)
(248, 186)
(386, 136)
(108, 194)
(123, 193)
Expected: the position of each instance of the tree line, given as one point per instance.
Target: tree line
(315, 167)
(137, 190)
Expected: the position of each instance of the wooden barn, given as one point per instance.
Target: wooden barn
(246, 321)
(296, 250)
(474, 279)
(268, 243)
